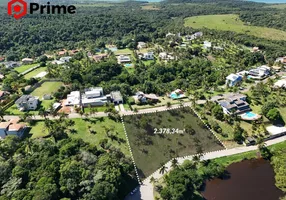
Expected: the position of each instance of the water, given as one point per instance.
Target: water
(249, 180)
(128, 65)
(250, 114)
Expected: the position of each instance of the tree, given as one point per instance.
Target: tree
(238, 133)
(217, 112)
(168, 105)
(273, 114)
(163, 169)
(174, 163)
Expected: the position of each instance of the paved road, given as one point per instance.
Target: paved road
(145, 191)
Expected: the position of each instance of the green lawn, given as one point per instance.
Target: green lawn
(81, 130)
(47, 88)
(232, 22)
(227, 160)
(277, 6)
(34, 72)
(25, 67)
(123, 51)
(150, 150)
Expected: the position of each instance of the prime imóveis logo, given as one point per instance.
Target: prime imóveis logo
(18, 8)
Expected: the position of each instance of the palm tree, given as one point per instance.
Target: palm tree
(174, 163)
(163, 169)
(168, 105)
(152, 180)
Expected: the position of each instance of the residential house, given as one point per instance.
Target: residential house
(281, 60)
(73, 99)
(3, 94)
(280, 84)
(99, 57)
(123, 59)
(170, 34)
(194, 36)
(27, 61)
(72, 52)
(2, 59)
(27, 102)
(65, 59)
(2, 76)
(255, 49)
(141, 45)
(233, 79)
(62, 53)
(144, 98)
(93, 97)
(11, 128)
(233, 104)
(116, 97)
(47, 97)
(166, 56)
(148, 56)
(207, 45)
(259, 72)
(11, 64)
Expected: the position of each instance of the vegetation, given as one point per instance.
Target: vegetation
(68, 168)
(151, 149)
(233, 23)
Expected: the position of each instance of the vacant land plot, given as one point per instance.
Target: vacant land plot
(233, 23)
(34, 72)
(152, 149)
(47, 88)
(25, 67)
(278, 6)
(150, 7)
(91, 130)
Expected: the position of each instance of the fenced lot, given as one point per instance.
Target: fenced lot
(152, 149)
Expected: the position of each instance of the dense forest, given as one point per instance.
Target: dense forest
(125, 22)
(61, 167)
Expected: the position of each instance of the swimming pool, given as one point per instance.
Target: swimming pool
(128, 65)
(174, 96)
(113, 49)
(250, 116)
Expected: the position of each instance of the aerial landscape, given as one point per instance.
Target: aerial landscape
(143, 100)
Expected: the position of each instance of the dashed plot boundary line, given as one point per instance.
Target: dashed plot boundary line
(130, 150)
(178, 158)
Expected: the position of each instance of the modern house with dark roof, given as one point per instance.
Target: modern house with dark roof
(234, 104)
(27, 102)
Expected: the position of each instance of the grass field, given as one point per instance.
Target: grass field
(278, 6)
(25, 67)
(150, 7)
(47, 88)
(34, 72)
(232, 22)
(151, 150)
(81, 130)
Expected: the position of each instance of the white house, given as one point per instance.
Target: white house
(233, 79)
(148, 56)
(65, 59)
(281, 60)
(141, 45)
(11, 64)
(116, 97)
(73, 99)
(207, 45)
(170, 34)
(27, 102)
(123, 59)
(93, 97)
(26, 61)
(194, 36)
(259, 72)
(166, 56)
(280, 84)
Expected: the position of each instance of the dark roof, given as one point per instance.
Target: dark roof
(25, 98)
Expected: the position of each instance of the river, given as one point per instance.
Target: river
(248, 180)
